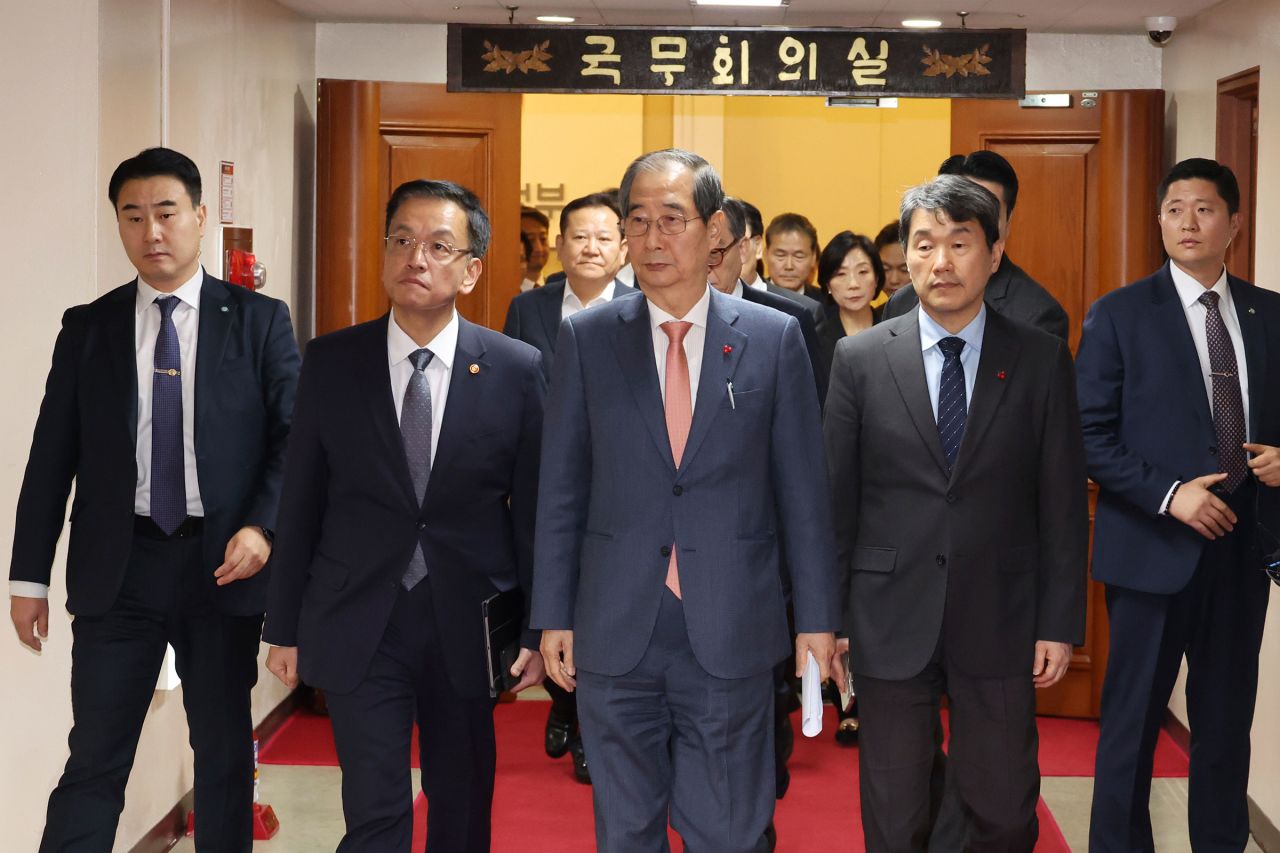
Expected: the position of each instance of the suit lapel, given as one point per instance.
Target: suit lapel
(1171, 316)
(549, 307)
(633, 346)
(374, 377)
(217, 314)
(721, 351)
(1254, 333)
(998, 287)
(465, 391)
(120, 328)
(997, 362)
(906, 363)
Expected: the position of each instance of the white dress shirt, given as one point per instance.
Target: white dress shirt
(1189, 293)
(931, 333)
(439, 370)
(571, 304)
(146, 326)
(694, 340)
(759, 283)
(737, 289)
(627, 275)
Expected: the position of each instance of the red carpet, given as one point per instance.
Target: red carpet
(820, 810)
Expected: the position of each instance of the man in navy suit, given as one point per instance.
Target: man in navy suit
(591, 250)
(1179, 377)
(168, 404)
(408, 501)
(668, 502)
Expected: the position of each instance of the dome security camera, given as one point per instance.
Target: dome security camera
(1160, 29)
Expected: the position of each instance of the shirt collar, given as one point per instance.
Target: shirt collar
(931, 332)
(1190, 290)
(571, 298)
(738, 288)
(443, 346)
(189, 292)
(697, 314)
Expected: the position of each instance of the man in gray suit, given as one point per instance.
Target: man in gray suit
(957, 471)
(667, 505)
(1010, 292)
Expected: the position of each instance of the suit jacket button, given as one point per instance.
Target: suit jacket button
(940, 560)
(951, 497)
(677, 490)
(1213, 450)
(665, 550)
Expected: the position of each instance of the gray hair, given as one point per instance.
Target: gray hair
(708, 194)
(959, 198)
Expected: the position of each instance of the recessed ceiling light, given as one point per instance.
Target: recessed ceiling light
(556, 19)
(921, 23)
(768, 3)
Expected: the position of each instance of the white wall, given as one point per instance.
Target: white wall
(81, 85)
(1093, 61)
(401, 53)
(1231, 37)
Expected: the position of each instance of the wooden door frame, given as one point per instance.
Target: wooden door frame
(1237, 147)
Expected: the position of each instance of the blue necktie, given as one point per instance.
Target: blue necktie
(168, 467)
(952, 406)
(415, 431)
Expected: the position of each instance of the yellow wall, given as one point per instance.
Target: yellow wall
(841, 167)
(582, 141)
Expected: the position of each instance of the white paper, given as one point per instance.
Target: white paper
(811, 699)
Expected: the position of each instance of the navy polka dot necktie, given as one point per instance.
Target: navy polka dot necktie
(415, 431)
(952, 405)
(168, 466)
(1228, 404)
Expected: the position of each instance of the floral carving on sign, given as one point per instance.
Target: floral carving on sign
(534, 59)
(967, 63)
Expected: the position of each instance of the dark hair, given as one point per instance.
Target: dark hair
(708, 194)
(838, 249)
(755, 222)
(959, 198)
(608, 200)
(526, 244)
(785, 223)
(533, 213)
(735, 217)
(887, 235)
(1202, 168)
(154, 163)
(985, 166)
(477, 220)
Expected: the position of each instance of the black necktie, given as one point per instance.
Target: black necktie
(952, 406)
(415, 430)
(1228, 405)
(168, 467)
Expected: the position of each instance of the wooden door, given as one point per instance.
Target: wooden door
(1237, 147)
(373, 136)
(1084, 224)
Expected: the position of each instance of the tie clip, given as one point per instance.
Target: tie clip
(169, 372)
(1227, 374)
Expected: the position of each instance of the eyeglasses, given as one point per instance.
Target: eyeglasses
(669, 224)
(717, 256)
(441, 252)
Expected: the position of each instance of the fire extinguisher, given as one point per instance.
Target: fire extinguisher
(244, 269)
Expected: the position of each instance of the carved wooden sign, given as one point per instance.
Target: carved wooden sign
(945, 63)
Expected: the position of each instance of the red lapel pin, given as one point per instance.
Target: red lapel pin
(728, 350)
(1002, 375)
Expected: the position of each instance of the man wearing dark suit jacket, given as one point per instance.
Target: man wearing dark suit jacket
(1179, 386)
(753, 241)
(408, 501)
(957, 475)
(591, 251)
(1010, 292)
(658, 550)
(168, 404)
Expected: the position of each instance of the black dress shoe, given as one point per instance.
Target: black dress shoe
(580, 771)
(560, 729)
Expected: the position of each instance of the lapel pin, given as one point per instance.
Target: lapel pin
(728, 350)
(1002, 375)
(475, 368)
(1251, 311)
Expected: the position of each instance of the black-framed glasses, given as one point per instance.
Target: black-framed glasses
(668, 223)
(438, 250)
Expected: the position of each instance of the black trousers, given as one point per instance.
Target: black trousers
(1217, 622)
(373, 729)
(167, 598)
(992, 766)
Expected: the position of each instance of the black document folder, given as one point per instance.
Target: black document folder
(503, 614)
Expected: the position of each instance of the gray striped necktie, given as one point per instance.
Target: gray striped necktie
(415, 431)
